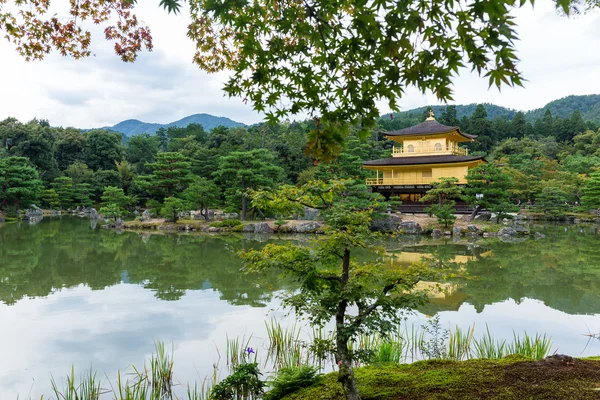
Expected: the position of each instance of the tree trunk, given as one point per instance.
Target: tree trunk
(441, 201)
(342, 355)
(244, 200)
(475, 212)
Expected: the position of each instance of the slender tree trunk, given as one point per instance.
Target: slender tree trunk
(244, 200)
(475, 212)
(441, 201)
(342, 355)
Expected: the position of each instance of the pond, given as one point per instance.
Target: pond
(71, 294)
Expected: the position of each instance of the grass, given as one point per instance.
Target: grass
(295, 362)
(513, 378)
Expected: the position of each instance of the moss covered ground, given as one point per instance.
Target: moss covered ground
(556, 377)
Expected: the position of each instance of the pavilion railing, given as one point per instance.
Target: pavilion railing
(403, 181)
(456, 150)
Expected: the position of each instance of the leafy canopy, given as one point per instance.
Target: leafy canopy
(331, 59)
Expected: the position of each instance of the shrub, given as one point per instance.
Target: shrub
(244, 383)
(226, 223)
(290, 380)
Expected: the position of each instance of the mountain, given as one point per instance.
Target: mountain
(132, 127)
(588, 106)
(465, 110)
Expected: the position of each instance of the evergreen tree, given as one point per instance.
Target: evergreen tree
(82, 193)
(202, 194)
(170, 175)
(50, 198)
(243, 170)
(519, 127)
(102, 149)
(443, 191)
(548, 124)
(487, 187)
(444, 213)
(552, 201)
(19, 182)
(449, 116)
(577, 124)
(63, 186)
(172, 207)
(479, 125)
(591, 193)
(114, 202)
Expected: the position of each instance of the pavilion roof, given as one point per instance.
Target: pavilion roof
(428, 127)
(419, 160)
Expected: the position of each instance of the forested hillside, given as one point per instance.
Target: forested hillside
(132, 127)
(587, 105)
(191, 167)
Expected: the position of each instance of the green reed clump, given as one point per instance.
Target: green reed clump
(238, 351)
(285, 349)
(487, 347)
(89, 388)
(460, 343)
(535, 347)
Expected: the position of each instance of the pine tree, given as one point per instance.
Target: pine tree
(487, 188)
(243, 170)
(19, 182)
(63, 186)
(171, 174)
(443, 191)
(114, 201)
(202, 194)
(449, 116)
(172, 207)
(552, 201)
(591, 193)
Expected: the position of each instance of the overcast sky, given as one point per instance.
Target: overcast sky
(559, 56)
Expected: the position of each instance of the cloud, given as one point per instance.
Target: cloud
(164, 86)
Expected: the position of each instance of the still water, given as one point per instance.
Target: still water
(71, 294)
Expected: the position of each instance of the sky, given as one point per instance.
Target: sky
(558, 56)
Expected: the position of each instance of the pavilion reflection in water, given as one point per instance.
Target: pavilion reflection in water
(443, 295)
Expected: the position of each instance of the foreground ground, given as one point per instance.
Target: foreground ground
(556, 377)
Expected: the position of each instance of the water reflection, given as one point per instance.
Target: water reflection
(71, 294)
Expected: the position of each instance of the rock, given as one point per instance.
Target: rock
(94, 214)
(33, 210)
(507, 231)
(539, 235)
(248, 228)
(576, 221)
(213, 229)
(521, 229)
(119, 224)
(387, 223)
(311, 213)
(1, 220)
(490, 234)
(456, 231)
(410, 227)
(483, 216)
(473, 229)
(146, 215)
(308, 227)
(262, 227)
(447, 233)
(436, 233)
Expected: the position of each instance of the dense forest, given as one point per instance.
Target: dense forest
(178, 168)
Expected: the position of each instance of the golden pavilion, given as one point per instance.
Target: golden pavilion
(424, 153)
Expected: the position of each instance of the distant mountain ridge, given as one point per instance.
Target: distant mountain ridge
(588, 106)
(132, 127)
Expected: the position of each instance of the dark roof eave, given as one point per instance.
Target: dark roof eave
(402, 161)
